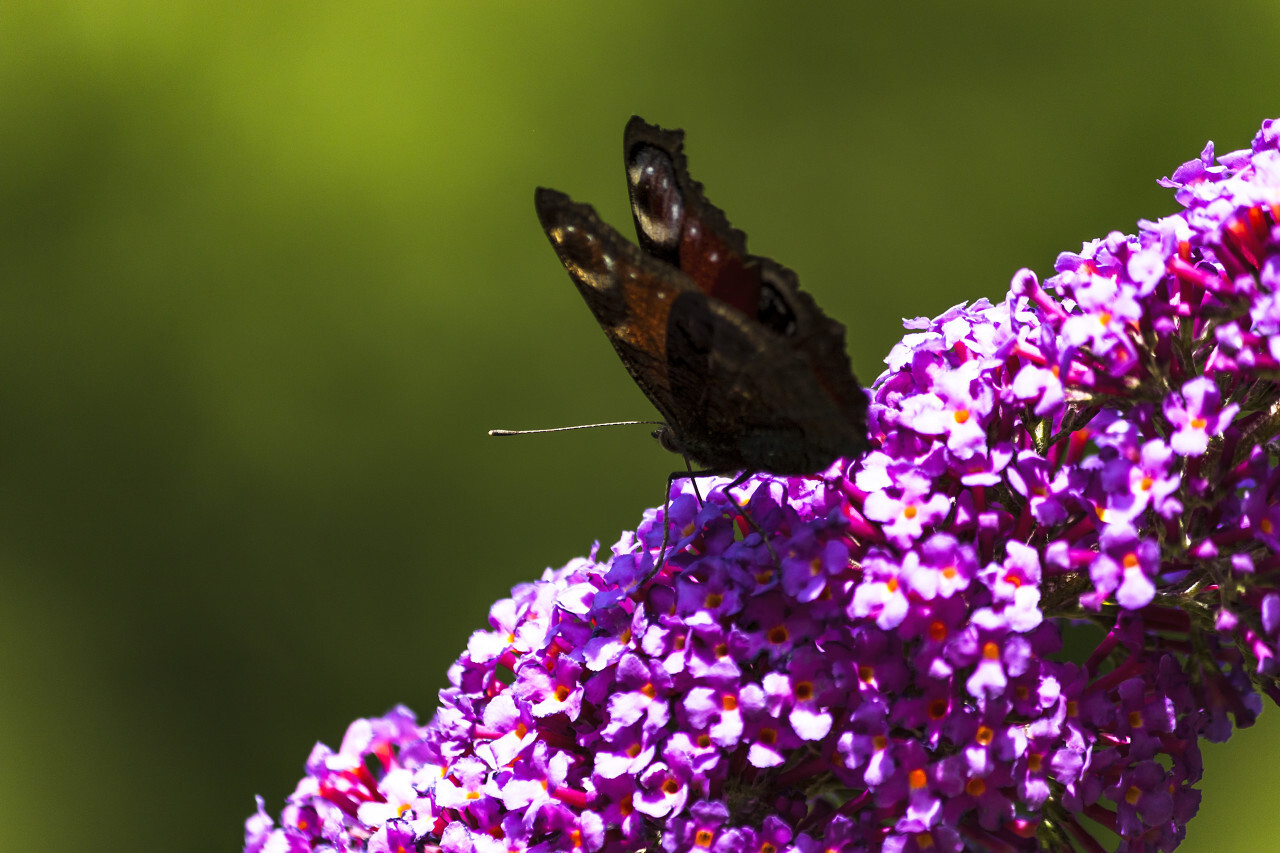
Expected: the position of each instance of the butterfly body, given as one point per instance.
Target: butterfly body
(746, 370)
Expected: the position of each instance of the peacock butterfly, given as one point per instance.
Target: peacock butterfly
(747, 371)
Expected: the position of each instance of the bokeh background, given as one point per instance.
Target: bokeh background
(268, 272)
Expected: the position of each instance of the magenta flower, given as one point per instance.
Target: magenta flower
(1198, 415)
(872, 660)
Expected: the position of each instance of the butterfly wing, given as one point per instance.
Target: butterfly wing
(756, 401)
(677, 223)
(630, 293)
(733, 394)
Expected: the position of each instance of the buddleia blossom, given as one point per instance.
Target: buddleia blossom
(871, 658)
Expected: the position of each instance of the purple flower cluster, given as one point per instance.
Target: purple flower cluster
(871, 658)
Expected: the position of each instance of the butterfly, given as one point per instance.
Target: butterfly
(749, 374)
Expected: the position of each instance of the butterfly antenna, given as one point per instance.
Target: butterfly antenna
(568, 428)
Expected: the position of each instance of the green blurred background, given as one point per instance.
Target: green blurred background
(269, 272)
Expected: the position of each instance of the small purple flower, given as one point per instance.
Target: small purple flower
(769, 740)
(664, 789)
(1126, 567)
(1103, 328)
(881, 594)
(1142, 798)
(1198, 414)
(940, 567)
(394, 836)
(1153, 482)
(811, 564)
(1041, 386)
(1015, 592)
(906, 515)
(1035, 479)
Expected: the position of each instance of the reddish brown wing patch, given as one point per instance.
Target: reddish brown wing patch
(630, 294)
(675, 222)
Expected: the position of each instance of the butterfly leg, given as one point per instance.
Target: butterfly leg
(666, 506)
(666, 526)
(693, 480)
(738, 481)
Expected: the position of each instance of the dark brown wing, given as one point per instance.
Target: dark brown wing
(749, 399)
(676, 222)
(630, 293)
(734, 394)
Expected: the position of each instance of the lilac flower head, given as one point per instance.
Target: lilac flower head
(869, 658)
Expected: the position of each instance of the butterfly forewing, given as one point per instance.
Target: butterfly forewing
(630, 294)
